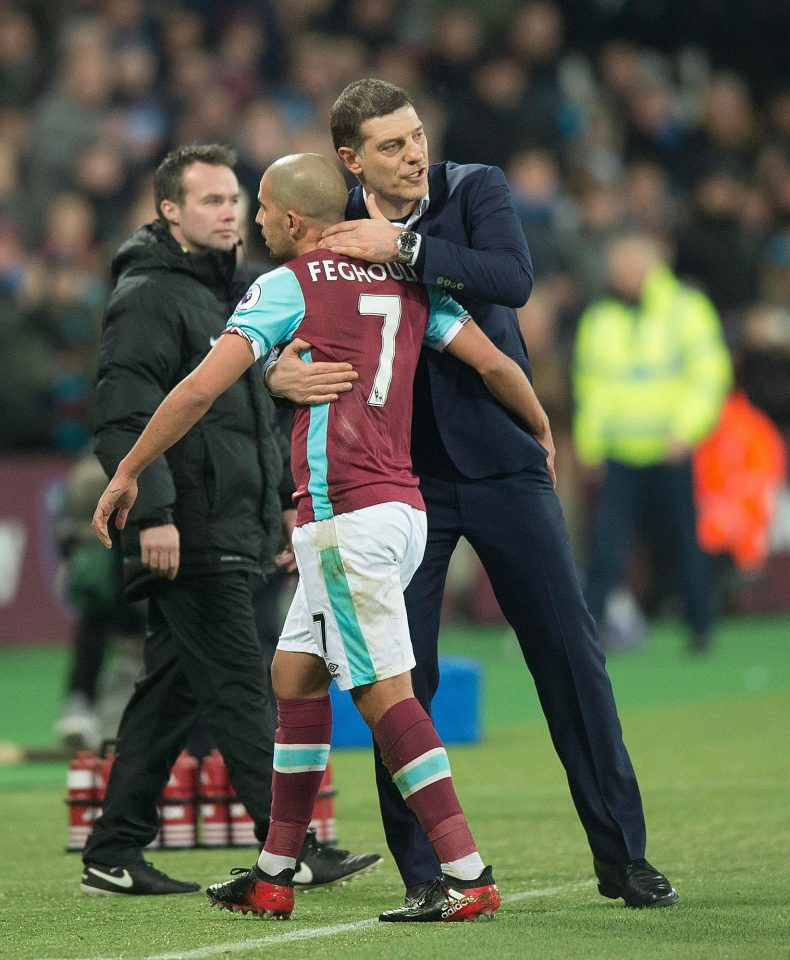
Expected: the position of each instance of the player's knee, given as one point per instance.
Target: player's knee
(297, 676)
(373, 700)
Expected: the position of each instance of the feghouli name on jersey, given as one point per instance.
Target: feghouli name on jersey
(355, 272)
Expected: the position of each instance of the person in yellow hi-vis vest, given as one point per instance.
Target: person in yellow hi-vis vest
(650, 374)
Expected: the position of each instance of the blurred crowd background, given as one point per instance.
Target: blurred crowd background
(667, 117)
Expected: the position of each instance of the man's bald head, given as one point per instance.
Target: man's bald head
(310, 185)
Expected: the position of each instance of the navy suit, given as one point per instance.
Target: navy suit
(484, 476)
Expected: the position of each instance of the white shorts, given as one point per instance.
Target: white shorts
(348, 608)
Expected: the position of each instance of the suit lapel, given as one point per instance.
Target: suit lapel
(356, 209)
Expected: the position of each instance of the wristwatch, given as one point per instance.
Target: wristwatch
(406, 242)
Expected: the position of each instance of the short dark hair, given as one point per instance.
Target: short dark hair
(360, 101)
(169, 176)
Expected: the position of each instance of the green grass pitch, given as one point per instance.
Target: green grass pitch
(710, 739)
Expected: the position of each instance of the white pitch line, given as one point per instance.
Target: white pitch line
(314, 933)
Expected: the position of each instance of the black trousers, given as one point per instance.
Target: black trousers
(516, 526)
(201, 657)
(266, 607)
(90, 643)
(666, 493)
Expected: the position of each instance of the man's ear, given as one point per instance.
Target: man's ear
(350, 160)
(296, 225)
(171, 212)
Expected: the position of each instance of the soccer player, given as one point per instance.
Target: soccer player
(360, 530)
(200, 533)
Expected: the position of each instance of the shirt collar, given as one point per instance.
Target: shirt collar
(413, 217)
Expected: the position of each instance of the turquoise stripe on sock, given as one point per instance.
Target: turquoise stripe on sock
(359, 663)
(286, 760)
(414, 778)
(318, 485)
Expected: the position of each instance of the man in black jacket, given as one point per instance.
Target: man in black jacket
(210, 517)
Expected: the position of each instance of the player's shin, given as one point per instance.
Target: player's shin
(301, 751)
(414, 755)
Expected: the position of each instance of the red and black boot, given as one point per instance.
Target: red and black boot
(253, 891)
(451, 900)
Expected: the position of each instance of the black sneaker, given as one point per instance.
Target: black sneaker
(320, 865)
(451, 900)
(136, 879)
(254, 891)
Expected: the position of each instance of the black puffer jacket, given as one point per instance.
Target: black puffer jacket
(223, 484)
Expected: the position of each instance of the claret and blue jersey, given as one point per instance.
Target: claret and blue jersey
(352, 453)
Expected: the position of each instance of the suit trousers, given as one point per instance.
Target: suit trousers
(201, 658)
(514, 523)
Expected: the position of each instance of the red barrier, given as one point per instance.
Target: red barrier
(81, 797)
(214, 799)
(323, 819)
(198, 807)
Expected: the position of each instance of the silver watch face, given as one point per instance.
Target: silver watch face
(406, 243)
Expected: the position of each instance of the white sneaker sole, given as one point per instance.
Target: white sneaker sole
(86, 888)
(98, 892)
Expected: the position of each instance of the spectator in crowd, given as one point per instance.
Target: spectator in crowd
(650, 375)
(21, 66)
(243, 50)
(454, 46)
(373, 23)
(655, 132)
(455, 224)
(600, 218)
(72, 112)
(500, 100)
(139, 115)
(535, 39)
(727, 134)
(716, 249)
(620, 70)
(596, 152)
(127, 22)
(208, 520)
(101, 177)
(647, 201)
(546, 214)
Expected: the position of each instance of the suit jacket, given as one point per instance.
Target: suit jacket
(473, 247)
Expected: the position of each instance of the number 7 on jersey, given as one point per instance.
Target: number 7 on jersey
(387, 306)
